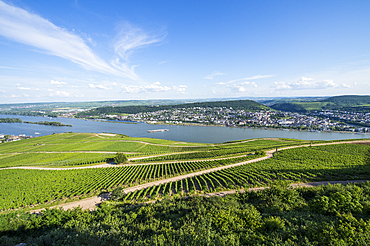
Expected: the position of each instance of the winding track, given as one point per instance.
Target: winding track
(92, 202)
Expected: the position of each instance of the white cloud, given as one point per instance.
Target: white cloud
(309, 83)
(249, 83)
(2, 91)
(59, 94)
(155, 87)
(79, 95)
(282, 85)
(241, 87)
(13, 96)
(221, 83)
(28, 28)
(24, 88)
(73, 86)
(213, 74)
(115, 84)
(53, 82)
(102, 87)
(180, 88)
(25, 95)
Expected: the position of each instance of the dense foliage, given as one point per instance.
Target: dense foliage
(237, 104)
(47, 123)
(330, 215)
(17, 120)
(10, 120)
(120, 158)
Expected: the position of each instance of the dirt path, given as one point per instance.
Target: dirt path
(91, 203)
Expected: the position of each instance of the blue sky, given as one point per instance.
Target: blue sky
(83, 50)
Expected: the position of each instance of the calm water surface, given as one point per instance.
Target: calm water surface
(200, 134)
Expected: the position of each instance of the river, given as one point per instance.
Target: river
(200, 134)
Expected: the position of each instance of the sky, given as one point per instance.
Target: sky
(89, 50)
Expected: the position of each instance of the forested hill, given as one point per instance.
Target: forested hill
(360, 104)
(237, 104)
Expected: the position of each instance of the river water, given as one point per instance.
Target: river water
(200, 134)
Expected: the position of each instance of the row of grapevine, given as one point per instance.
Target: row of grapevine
(294, 165)
(28, 187)
(224, 151)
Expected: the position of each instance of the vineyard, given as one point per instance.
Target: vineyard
(62, 149)
(20, 188)
(53, 159)
(23, 188)
(335, 162)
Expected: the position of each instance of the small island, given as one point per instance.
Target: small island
(46, 123)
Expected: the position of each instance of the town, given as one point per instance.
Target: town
(328, 120)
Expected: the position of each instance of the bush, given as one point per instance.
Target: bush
(120, 158)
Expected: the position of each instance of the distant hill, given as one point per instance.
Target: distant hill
(360, 104)
(236, 104)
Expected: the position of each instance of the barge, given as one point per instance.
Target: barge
(158, 130)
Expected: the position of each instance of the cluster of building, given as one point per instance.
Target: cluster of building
(11, 138)
(319, 121)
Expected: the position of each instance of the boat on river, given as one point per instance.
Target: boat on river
(158, 130)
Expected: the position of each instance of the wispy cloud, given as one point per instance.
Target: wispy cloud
(213, 74)
(5, 67)
(162, 62)
(309, 83)
(130, 38)
(28, 28)
(244, 79)
(155, 87)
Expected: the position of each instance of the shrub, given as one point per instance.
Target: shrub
(120, 158)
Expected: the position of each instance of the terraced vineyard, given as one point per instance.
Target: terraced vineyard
(332, 162)
(21, 188)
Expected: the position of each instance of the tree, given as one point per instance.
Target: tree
(120, 158)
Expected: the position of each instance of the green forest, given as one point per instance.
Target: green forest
(236, 104)
(359, 104)
(46, 123)
(325, 215)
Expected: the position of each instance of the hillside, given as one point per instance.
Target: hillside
(207, 207)
(360, 104)
(236, 104)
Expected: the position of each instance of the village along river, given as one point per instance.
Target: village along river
(200, 134)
